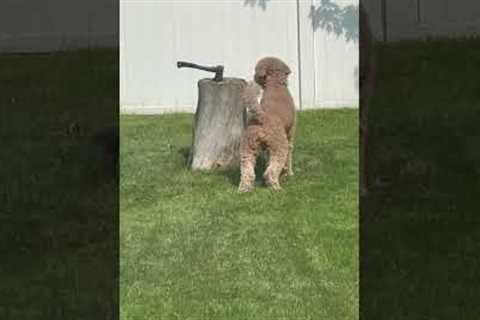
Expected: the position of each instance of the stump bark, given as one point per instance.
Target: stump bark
(218, 125)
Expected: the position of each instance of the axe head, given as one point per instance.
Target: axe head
(218, 73)
(218, 69)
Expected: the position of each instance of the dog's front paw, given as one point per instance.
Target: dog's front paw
(251, 93)
(254, 88)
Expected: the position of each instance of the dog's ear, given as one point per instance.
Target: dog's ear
(261, 71)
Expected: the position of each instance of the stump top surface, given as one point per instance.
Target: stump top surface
(225, 81)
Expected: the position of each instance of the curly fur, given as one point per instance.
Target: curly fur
(271, 126)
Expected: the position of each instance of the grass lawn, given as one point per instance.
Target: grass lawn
(193, 248)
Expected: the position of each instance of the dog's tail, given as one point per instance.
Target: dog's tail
(251, 94)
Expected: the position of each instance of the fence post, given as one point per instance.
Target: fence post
(299, 58)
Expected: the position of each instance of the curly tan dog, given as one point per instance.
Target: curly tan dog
(271, 127)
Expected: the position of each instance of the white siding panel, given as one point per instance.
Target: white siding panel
(156, 34)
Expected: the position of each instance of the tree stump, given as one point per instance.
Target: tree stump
(218, 125)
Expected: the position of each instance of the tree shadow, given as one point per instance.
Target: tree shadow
(261, 3)
(329, 16)
(340, 20)
(185, 154)
(233, 175)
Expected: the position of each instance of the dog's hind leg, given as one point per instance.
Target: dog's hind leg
(278, 155)
(288, 168)
(249, 148)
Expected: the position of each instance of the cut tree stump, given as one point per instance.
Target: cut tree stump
(218, 125)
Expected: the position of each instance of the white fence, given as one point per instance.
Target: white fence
(154, 35)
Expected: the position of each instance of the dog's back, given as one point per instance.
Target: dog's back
(277, 103)
(279, 106)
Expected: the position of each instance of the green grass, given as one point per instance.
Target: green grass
(420, 239)
(194, 248)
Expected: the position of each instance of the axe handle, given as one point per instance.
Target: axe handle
(184, 64)
(218, 69)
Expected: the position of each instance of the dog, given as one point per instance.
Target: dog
(271, 126)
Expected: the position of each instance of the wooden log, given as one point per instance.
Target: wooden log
(218, 124)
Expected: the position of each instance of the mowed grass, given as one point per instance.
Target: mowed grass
(194, 248)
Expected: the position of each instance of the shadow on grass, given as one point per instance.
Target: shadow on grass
(185, 153)
(233, 175)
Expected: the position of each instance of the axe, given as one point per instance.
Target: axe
(217, 69)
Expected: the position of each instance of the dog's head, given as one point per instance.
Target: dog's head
(271, 69)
